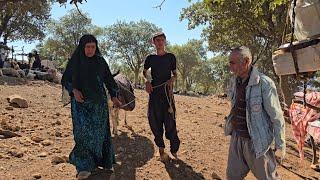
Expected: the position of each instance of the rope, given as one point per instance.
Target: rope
(304, 93)
(294, 54)
(168, 96)
(303, 76)
(124, 105)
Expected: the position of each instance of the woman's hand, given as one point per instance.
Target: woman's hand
(78, 95)
(116, 102)
(148, 87)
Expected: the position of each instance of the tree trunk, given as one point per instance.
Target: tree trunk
(136, 77)
(5, 39)
(183, 80)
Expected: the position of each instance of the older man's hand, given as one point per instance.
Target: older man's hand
(280, 154)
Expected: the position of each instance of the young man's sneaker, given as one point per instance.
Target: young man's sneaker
(83, 174)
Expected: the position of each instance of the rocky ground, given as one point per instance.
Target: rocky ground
(39, 138)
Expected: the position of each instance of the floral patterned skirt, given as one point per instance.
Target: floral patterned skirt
(91, 130)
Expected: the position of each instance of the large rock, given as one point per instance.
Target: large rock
(10, 72)
(18, 100)
(21, 73)
(58, 160)
(55, 75)
(31, 76)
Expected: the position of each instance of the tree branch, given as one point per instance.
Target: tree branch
(75, 2)
(160, 5)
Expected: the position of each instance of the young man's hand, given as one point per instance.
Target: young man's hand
(170, 82)
(280, 153)
(78, 95)
(148, 87)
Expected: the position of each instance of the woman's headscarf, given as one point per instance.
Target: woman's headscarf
(72, 78)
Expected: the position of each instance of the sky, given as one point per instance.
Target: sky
(104, 13)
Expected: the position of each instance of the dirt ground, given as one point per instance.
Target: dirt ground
(46, 139)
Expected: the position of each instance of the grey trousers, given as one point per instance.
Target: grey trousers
(242, 159)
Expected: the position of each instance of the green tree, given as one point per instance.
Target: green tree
(188, 57)
(260, 25)
(129, 43)
(212, 75)
(24, 20)
(64, 35)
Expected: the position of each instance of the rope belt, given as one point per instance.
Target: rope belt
(168, 96)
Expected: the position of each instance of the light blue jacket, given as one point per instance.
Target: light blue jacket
(264, 114)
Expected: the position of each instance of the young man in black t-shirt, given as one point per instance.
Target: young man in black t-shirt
(161, 108)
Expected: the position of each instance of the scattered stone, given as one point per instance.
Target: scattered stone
(186, 111)
(15, 128)
(58, 134)
(57, 122)
(44, 95)
(43, 154)
(16, 153)
(9, 108)
(56, 150)
(8, 134)
(47, 142)
(58, 114)
(18, 100)
(37, 139)
(58, 160)
(26, 141)
(220, 125)
(37, 176)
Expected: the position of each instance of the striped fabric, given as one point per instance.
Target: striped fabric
(301, 116)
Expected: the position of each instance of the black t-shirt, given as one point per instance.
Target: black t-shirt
(161, 67)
